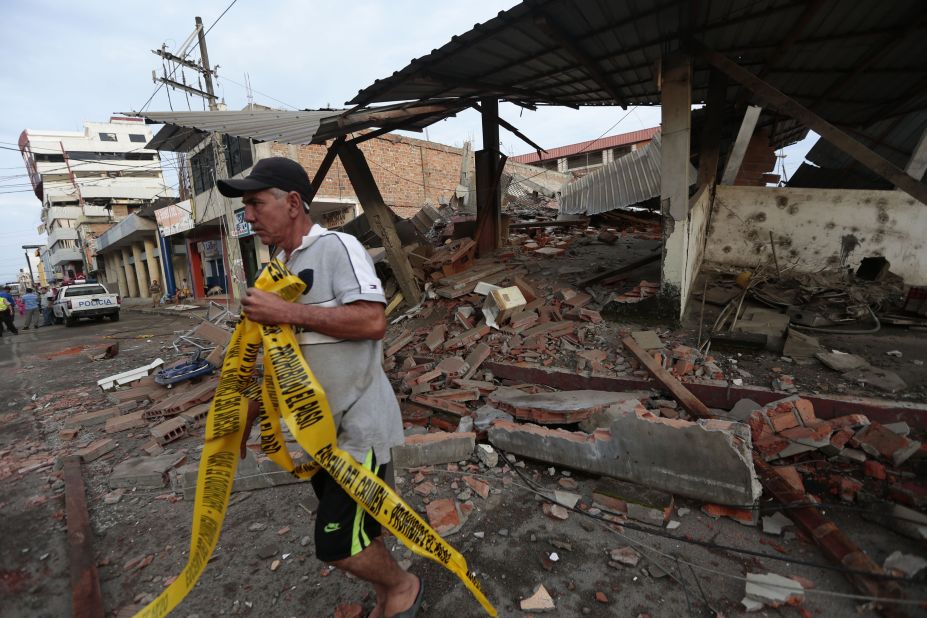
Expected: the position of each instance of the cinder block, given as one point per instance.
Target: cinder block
(196, 416)
(434, 448)
(125, 422)
(169, 430)
(96, 449)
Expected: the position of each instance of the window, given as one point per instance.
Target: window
(238, 154)
(108, 137)
(137, 137)
(49, 158)
(84, 290)
(203, 170)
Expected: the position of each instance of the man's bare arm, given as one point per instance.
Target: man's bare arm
(356, 321)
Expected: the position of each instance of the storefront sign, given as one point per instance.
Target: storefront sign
(242, 227)
(175, 218)
(208, 248)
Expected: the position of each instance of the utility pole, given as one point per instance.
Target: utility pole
(233, 249)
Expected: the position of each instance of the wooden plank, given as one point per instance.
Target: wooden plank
(619, 271)
(783, 103)
(739, 150)
(685, 398)
(380, 218)
(86, 595)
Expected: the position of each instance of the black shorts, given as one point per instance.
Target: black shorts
(342, 528)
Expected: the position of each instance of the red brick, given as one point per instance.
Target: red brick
(739, 515)
(792, 477)
(480, 487)
(443, 516)
(805, 411)
(782, 419)
(874, 469)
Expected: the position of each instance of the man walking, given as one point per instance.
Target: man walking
(7, 316)
(340, 323)
(31, 305)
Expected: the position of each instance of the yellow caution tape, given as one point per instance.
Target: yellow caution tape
(290, 392)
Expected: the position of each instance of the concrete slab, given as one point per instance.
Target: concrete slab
(882, 379)
(433, 448)
(144, 472)
(771, 589)
(557, 408)
(668, 455)
(252, 473)
(647, 339)
(841, 361)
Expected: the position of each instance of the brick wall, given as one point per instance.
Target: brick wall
(409, 172)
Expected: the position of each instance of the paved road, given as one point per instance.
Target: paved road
(53, 365)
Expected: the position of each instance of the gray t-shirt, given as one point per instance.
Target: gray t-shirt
(339, 272)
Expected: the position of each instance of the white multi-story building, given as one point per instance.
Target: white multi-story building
(88, 181)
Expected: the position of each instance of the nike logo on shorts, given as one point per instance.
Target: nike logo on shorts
(335, 527)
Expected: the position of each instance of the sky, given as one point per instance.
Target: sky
(66, 63)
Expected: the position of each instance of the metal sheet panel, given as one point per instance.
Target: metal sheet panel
(632, 179)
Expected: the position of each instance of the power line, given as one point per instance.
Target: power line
(186, 54)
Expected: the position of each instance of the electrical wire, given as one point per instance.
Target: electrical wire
(530, 485)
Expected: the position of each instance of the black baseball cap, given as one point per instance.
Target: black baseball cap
(271, 173)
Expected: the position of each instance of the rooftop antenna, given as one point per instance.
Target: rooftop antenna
(249, 92)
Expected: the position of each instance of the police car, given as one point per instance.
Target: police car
(85, 300)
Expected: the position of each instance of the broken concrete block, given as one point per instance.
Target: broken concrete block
(540, 601)
(647, 339)
(252, 473)
(144, 472)
(883, 379)
(487, 455)
(661, 453)
(453, 367)
(841, 361)
(196, 416)
(68, 433)
(475, 358)
(487, 415)
(908, 565)
(96, 449)
(773, 590)
(433, 448)
(169, 430)
(801, 347)
(876, 440)
(742, 410)
(639, 502)
(555, 408)
(435, 338)
(501, 303)
(604, 418)
(445, 516)
(627, 556)
(774, 524)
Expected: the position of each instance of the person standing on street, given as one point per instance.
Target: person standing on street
(31, 306)
(340, 323)
(48, 314)
(155, 291)
(7, 316)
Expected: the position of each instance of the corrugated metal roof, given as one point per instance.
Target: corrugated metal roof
(632, 179)
(612, 141)
(850, 62)
(184, 130)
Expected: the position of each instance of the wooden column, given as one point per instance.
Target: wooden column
(710, 139)
(380, 218)
(86, 595)
(739, 149)
(488, 194)
(676, 104)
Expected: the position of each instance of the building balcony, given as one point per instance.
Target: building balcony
(61, 256)
(61, 233)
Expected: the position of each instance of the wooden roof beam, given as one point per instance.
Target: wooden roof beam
(512, 129)
(771, 97)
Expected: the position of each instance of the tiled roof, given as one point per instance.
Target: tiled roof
(595, 145)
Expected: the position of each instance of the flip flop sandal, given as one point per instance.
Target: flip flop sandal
(416, 605)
